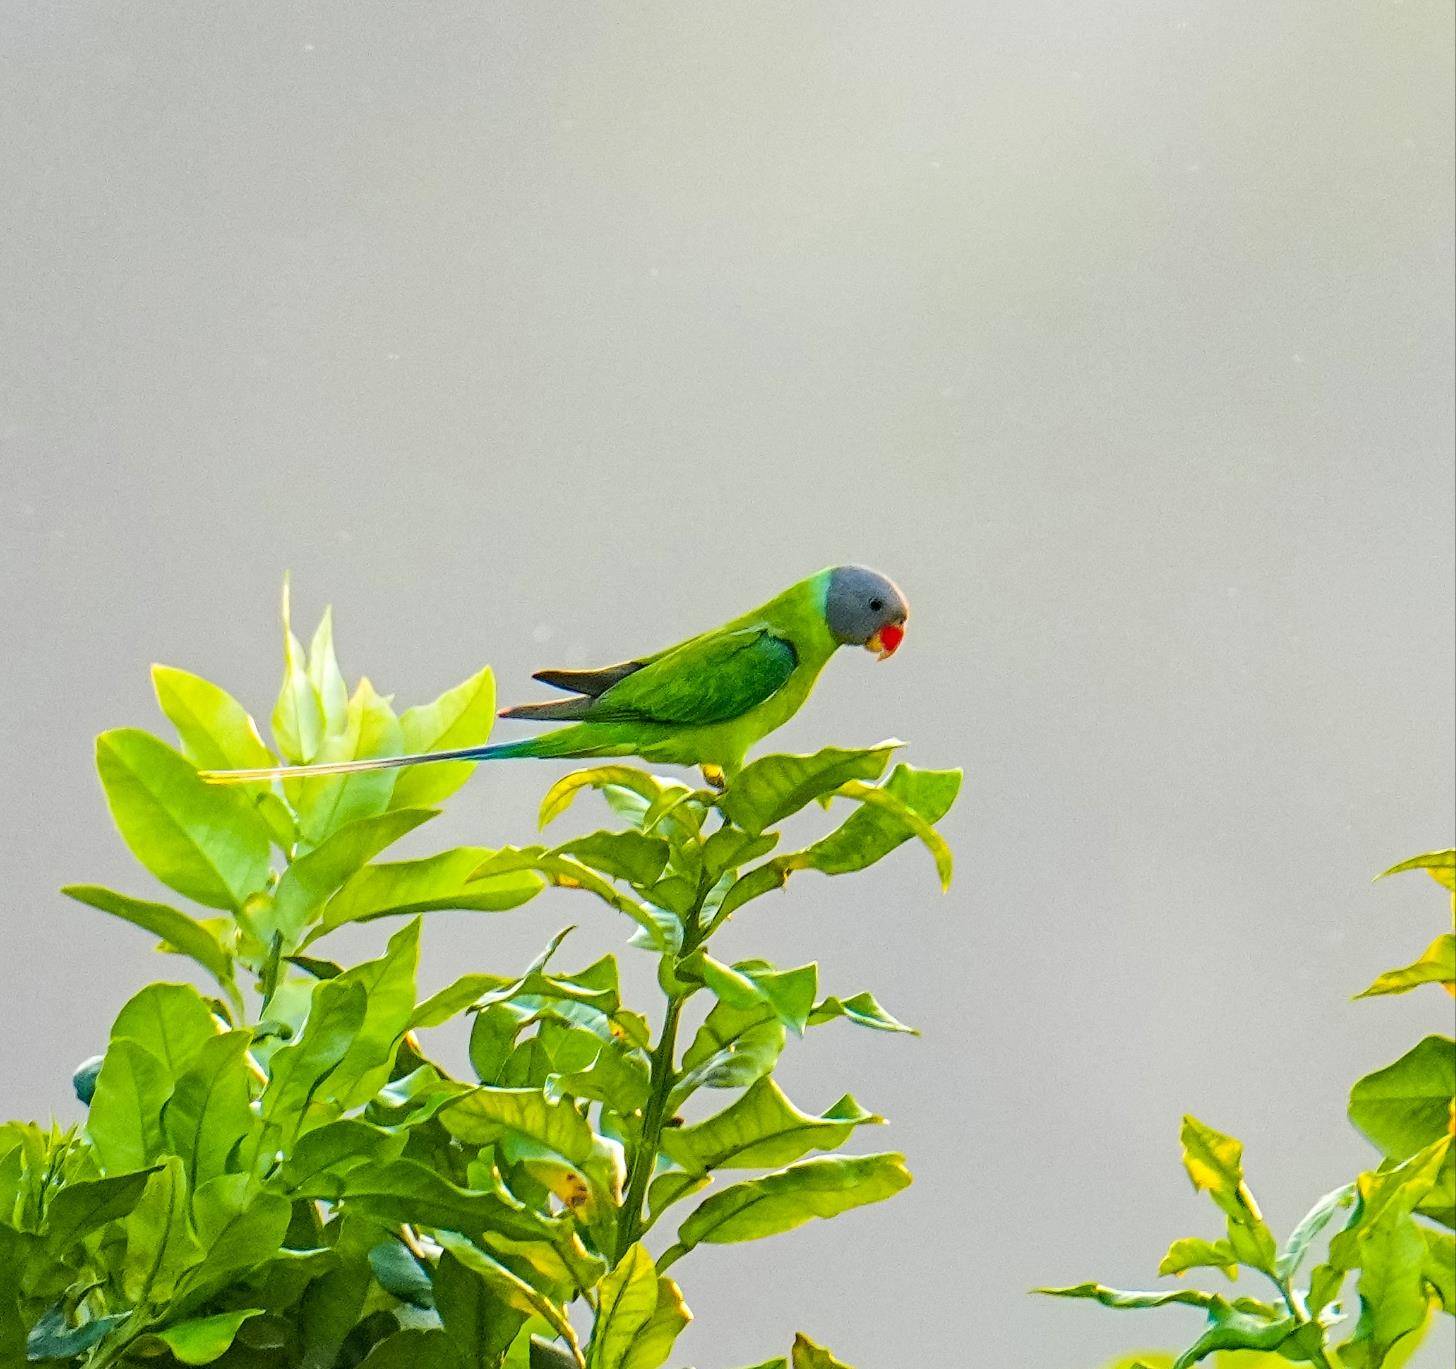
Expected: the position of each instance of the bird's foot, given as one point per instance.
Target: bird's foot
(714, 777)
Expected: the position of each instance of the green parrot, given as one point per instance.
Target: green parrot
(701, 703)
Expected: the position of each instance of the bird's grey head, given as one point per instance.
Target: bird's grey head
(865, 608)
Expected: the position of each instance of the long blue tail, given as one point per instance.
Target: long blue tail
(496, 751)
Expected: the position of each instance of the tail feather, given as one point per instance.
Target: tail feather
(497, 751)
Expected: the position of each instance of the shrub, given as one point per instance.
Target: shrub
(275, 1173)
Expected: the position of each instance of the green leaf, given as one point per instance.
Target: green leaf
(653, 1342)
(807, 1355)
(507, 1288)
(1393, 1303)
(400, 1274)
(239, 1226)
(477, 1118)
(311, 879)
(1232, 1329)
(1116, 1298)
(1407, 1105)
(767, 791)
(208, 1113)
(412, 1348)
(460, 717)
(761, 1130)
(1436, 966)
(1193, 1253)
(563, 793)
(1215, 1164)
(326, 677)
(169, 1020)
(790, 1197)
(322, 1157)
(200, 1340)
(205, 841)
(187, 936)
(1440, 1266)
(446, 880)
(905, 806)
(1440, 865)
(388, 984)
(408, 1191)
(214, 729)
(336, 1013)
(789, 993)
(159, 1245)
(733, 1047)
(53, 1338)
(1292, 1255)
(87, 1205)
(125, 1120)
(298, 716)
(565, 872)
(626, 1300)
(326, 804)
(860, 1008)
(629, 855)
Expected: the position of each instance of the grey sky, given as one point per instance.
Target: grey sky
(1120, 334)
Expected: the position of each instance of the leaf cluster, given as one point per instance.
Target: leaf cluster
(1354, 1284)
(275, 1174)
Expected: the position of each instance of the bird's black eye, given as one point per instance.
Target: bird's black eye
(877, 604)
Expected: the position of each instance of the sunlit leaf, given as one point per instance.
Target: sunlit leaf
(312, 878)
(442, 881)
(772, 788)
(460, 717)
(159, 1241)
(479, 1117)
(629, 856)
(215, 731)
(326, 677)
(1440, 865)
(327, 803)
(1215, 1164)
(563, 793)
(125, 1119)
(1436, 966)
(298, 715)
(807, 1355)
(626, 1300)
(761, 1130)
(1193, 1253)
(1407, 1105)
(205, 841)
(208, 1113)
(790, 1197)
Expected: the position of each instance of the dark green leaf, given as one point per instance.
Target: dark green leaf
(400, 1274)
(1232, 1329)
(413, 1348)
(205, 841)
(408, 1191)
(502, 1287)
(322, 1157)
(54, 1338)
(629, 856)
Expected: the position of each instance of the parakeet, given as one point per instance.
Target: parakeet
(701, 703)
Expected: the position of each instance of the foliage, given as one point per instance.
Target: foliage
(1392, 1226)
(276, 1174)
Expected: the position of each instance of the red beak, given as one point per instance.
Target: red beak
(886, 642)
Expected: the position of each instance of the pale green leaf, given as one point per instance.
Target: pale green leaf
(772, 788)
(125, 1118)
(298, 715)
(215, 731)
(327, 803)
(460, 717)
(205, 841)
(326, 677)
(626, 1300)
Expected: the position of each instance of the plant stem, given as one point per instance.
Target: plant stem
(644, 1157)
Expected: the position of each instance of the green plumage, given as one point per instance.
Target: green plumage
(703, 702)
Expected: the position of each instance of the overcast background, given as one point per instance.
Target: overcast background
(544, 333)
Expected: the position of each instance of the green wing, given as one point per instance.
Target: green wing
(711, 679)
